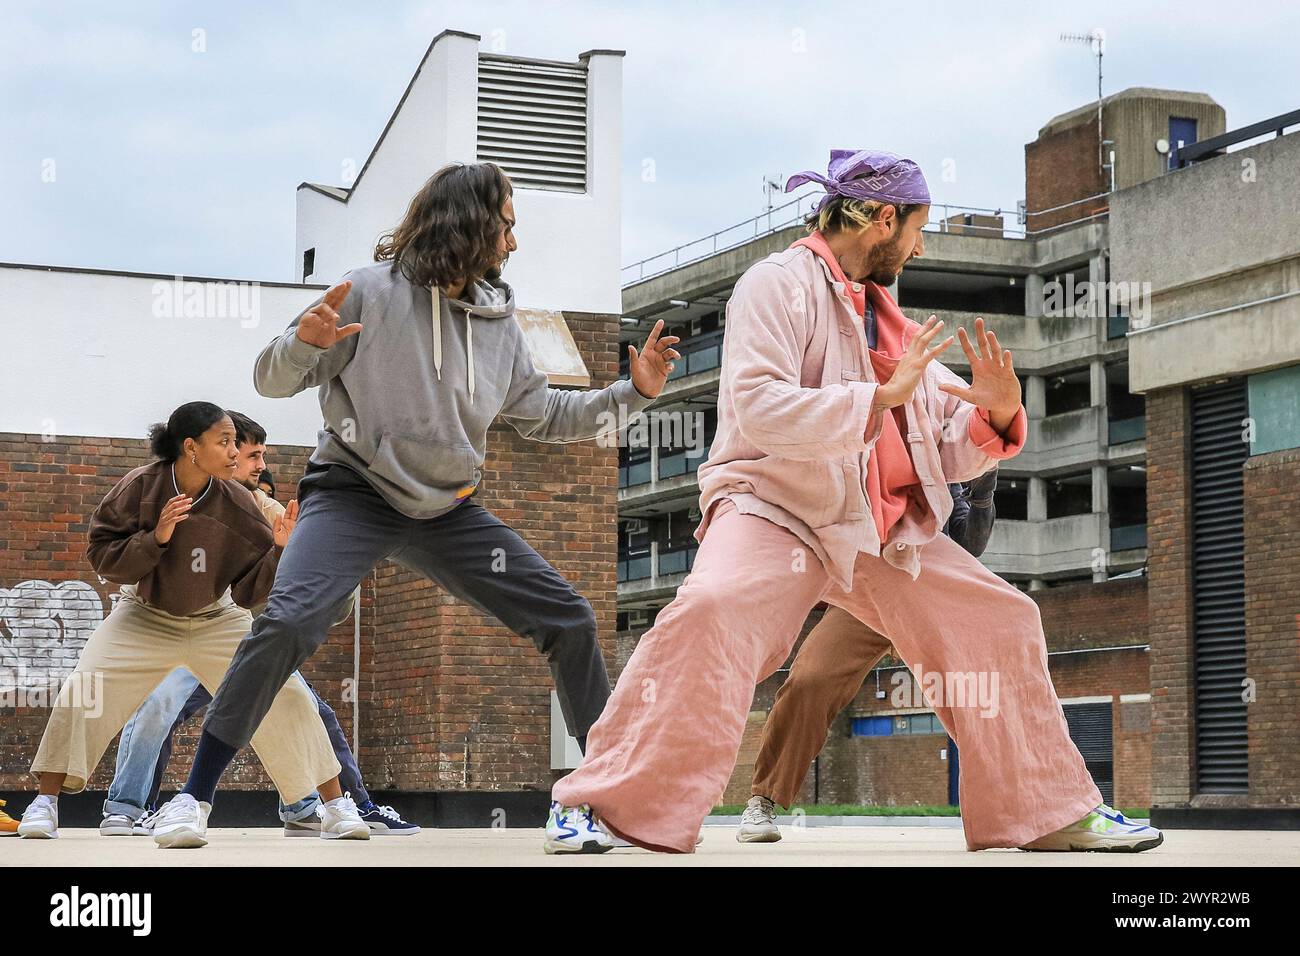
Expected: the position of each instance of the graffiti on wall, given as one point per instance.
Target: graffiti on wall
(43, 627)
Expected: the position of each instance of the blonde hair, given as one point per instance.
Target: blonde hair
(845, 212)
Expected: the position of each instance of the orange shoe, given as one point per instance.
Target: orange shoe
(7, 823)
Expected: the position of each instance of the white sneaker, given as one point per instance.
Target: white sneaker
(144, 826)
(116, 824)
(40, 819)
(758, 822)
(1102, 829)
(574, 830)
(340, 820)
(181, 822)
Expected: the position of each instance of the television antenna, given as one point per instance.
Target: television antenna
(1096, 40)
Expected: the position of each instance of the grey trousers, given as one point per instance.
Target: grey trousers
(344, 529)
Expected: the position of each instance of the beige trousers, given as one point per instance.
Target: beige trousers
(129, 655)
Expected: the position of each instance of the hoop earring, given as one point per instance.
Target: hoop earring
(193, 460)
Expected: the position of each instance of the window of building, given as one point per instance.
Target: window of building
(872, 727)
(1068, 391)
(308, 263)
(937, 290)
(1125, 412)
(678, 546)
(1127, 491)
(1069, 294)
(633, 466)
(918, 724)
(633, 550)
(1069, 495)
(1011, 499)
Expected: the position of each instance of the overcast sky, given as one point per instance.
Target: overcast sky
(174, 162)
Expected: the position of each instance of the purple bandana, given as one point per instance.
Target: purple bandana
(868, 174)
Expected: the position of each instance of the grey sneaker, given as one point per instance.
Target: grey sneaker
(758, 822)
(308, 827)
(116, 824)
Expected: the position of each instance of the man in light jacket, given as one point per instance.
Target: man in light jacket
(837, 436)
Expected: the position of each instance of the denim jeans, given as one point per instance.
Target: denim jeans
(141, 742)
(146, 745)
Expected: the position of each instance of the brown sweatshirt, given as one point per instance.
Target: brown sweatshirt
(224, 543)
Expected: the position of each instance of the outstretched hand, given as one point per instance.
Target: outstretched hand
(285, 523)
(911, 365)
(650, 367)
(319, 325)
(994, 386)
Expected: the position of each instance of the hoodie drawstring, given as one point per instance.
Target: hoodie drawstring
(469, 354)
(436, 299)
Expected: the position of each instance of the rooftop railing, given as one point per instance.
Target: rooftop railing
(794, 212)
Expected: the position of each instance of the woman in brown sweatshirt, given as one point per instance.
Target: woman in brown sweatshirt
(192, 553)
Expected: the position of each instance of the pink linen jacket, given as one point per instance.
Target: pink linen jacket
(793, 434)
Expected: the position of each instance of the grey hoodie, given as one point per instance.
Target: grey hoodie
(407, 402)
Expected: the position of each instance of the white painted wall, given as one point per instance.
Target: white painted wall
(106, 354)
(569, 244)
(109, 354)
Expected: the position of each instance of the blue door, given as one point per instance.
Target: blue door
(954, 774)
(1182, 132)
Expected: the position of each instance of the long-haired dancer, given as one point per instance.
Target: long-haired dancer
(415, 356)
(177, 535)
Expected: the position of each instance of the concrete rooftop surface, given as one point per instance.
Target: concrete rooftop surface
(813, 846)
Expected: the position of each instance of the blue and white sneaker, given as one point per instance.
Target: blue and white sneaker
(385, 821)
(575, 830)
(1102, 829)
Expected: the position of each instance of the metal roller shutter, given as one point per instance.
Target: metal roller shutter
(1218, 586)
(1091, 729)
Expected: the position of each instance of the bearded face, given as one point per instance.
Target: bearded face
(886, 261)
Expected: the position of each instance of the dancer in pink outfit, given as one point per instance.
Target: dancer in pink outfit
(837, 436)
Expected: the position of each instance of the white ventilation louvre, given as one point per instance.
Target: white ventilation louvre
(532, 121)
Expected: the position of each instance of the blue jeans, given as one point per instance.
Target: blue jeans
(146, 745)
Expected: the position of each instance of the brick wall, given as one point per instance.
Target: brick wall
(1061, 168)
(1169, 595)
(1272, 526)
(449, 699)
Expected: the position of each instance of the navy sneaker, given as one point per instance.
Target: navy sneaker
(385, 821)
